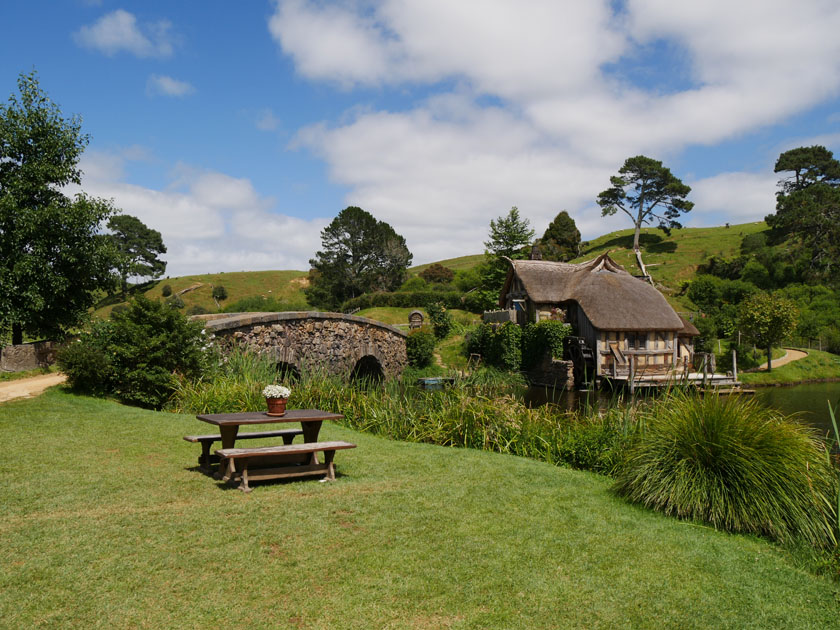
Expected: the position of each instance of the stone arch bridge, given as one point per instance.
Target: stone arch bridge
(346, 345)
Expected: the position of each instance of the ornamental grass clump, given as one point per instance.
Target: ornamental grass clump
(734, 464)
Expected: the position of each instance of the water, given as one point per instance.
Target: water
(809, 401)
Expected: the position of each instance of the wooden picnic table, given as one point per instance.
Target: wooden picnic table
(229, 423)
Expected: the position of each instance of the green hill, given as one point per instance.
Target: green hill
(671, 260)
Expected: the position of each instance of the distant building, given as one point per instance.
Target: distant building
(622, 324)
(415, 320)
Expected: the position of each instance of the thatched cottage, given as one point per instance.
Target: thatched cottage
(624, 323)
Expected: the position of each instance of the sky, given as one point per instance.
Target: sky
(239, 130)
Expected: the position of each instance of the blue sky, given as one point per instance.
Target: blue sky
(239, 130)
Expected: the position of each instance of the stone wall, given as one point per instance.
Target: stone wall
(552, 373)
(28, 356)
(329, 341)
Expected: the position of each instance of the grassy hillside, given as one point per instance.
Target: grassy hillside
(123, 532)
(672, 259)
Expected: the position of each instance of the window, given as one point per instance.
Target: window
(636, 341)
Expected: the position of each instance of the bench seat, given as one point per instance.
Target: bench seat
(279, 462)
(205, 460)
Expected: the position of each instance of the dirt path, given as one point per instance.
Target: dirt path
(29, 387)
(790, 355)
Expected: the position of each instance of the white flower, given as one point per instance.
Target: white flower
(276, 391)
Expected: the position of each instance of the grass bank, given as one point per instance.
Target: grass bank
(107, 525)
(817, 366)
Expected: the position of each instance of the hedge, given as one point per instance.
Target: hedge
(407, 299)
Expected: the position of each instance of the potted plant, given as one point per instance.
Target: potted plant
(276, 397)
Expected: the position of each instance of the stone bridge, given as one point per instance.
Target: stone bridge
(339, 344)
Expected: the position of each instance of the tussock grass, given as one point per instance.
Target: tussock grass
(734, 464)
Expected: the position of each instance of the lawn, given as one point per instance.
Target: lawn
(106, 524)
(816, 366)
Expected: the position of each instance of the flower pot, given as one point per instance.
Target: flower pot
(276, 406)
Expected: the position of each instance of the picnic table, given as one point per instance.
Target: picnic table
(269, 462)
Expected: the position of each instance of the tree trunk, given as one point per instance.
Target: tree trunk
(636, 238)
(17, 334)
(769, 357)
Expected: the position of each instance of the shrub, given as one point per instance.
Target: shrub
(420, 347)
(166, 290)
(733, 464)
(197, 309)
(440, 318)
(407, 299)
(175, 301)
(87, 361)
(138, 355)
(260, 304)
(437, 273)
(219, 293)
(119, 308)
(543, 337)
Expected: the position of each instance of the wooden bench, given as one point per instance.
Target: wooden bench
(279, 462)
(205, 460)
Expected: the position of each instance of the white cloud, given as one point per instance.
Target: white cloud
(209, 221)
(119, 31)
(562, 114)
(167, 86)
(267, 121)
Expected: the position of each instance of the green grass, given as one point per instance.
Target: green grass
(816, 366)
(14, 376)
(461, 263)
(672, 259)
(106, 524)
(281, 285)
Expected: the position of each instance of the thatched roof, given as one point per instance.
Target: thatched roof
(611, 298)
(688, 329)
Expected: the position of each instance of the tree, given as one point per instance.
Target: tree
(138, 247)
(646, 190)
(53, 257)
(437, 273)
(360, 254)
(808, 207)
(766, 319)
(508, 235)
(220, 294)
(561, 240)
(509, 238)
(808, 165)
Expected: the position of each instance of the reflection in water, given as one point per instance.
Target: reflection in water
(808, 401)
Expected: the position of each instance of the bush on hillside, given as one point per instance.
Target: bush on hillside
(420, 348)
(197, 309)
(138, 355)
(733, 464)
(166, 290)
(437, 273)
(175, 301)
(219, 293)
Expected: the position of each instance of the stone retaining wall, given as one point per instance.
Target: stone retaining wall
(552, 373)
(28, 356)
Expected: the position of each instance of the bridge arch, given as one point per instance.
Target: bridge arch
(346, 345)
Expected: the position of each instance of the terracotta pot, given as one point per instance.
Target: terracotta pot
(276, 406)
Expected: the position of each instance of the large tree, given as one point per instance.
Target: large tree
(53, 257)
(645, 191)
(808, 208)
(360, 254)
(561, 241)
(138, 246)
(766, 320)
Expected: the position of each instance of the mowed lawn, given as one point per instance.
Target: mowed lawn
(106, 524)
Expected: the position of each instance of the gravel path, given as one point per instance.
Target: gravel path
(29, 387)
(790, 355)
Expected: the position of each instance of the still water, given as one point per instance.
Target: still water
(809, 401)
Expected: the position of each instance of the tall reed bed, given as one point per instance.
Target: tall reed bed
(483, 411)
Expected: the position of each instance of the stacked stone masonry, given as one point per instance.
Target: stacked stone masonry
(329, 341)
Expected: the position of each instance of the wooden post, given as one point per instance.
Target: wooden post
(735, 365)
(632, 373)
(705, 366)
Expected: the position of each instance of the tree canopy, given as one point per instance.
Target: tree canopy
(807, 165)
(53, 256)
(561, 241)
(360, 254)
(138, 247)
(645, 190)
(766, 319)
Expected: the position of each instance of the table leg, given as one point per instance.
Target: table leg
(228, 433)
(310, 434)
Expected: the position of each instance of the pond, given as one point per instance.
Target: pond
(809, 400)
